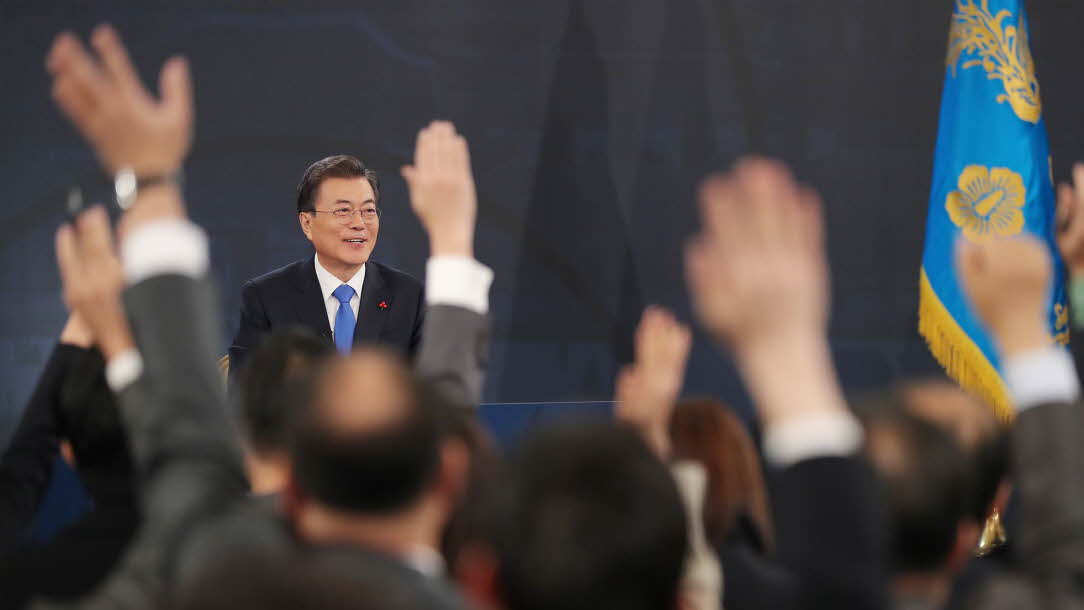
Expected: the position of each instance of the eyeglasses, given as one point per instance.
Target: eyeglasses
(344, 214)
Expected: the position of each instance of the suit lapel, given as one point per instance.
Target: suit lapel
(371, 314)
(309, 301)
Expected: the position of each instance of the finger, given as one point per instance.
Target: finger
(72, 59)
(175, 88)
(408, 173)
(1065, 205)
(768, 194)
(67, 255)
(625, 384)
(116, 64)
(74, 102)
(811, 234)
(96, 235)
(970, 262)
(719, 212)
(1078, 181)
(424, 151)
(462, 154)
(59, 52)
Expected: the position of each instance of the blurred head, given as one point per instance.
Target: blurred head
(337, 206)
(270, 390)
(369, 439)
(978, 433)
(270, 385)
(707, 432)
(584, 517)
(467, 514)
(928, 481)
(371, 461)
(89, 419)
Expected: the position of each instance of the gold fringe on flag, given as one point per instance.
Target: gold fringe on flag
(958, 354)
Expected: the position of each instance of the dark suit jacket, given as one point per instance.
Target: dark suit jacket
(291, 296)
(194, 494)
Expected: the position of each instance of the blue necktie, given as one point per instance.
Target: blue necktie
(344, 320)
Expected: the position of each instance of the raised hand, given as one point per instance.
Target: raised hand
(102, 95)
(442, 189)
(93, 280)
(757, 271)
(758, 275)
(1007, 282)
(647, 390)
(1071, 222)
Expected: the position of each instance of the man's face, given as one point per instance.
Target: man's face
(344, 241)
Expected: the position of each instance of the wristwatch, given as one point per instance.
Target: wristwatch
(126, 185)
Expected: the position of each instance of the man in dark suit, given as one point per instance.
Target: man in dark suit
(339, 292)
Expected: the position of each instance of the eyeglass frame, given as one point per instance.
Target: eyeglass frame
(353, 211)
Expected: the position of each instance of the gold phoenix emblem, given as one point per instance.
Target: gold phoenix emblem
(988, 203)
(1001, 49)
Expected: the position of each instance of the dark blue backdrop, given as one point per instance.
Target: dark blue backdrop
(590, 123)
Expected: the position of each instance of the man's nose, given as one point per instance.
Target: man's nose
(356, 222)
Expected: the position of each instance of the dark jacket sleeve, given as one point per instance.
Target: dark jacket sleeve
(253, 326)
(26, 465)
(1048, 528)
(831, 534)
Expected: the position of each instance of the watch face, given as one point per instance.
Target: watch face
(125, 185)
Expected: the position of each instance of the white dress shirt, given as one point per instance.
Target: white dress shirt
(328, 284)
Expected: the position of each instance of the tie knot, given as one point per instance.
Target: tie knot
(344, 293)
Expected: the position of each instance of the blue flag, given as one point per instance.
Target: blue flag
(992, 178)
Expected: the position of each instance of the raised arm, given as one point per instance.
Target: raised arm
(758, 275)
(1008, 282)
(27, 462)
(455, 336)
(170, 392)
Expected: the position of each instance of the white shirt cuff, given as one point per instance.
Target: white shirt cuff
(813, 436)
(459, 281)
(123, 369)
(164, 247)
(1041, 376)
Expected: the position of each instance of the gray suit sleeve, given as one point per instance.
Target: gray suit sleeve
(454, 353)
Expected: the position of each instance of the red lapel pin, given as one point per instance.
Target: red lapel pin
(383, 305)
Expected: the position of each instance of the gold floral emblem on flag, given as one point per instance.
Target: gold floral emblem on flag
(1001, 49)
(988, 203)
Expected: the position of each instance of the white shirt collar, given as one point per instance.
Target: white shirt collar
(425, 560)
(328, 282)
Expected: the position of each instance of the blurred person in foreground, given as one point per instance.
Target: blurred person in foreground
(371, 479)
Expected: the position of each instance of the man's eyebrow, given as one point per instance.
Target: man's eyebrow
(369, 200)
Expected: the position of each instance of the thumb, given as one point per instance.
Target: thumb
(175, 87)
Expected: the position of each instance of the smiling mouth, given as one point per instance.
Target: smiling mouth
(359, 240)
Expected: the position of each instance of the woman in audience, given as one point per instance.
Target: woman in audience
(737, 518)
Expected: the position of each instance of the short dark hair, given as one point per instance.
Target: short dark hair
(336, 166)
(377, 471)
(271, 383)
(586, 517)
(926, 478)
